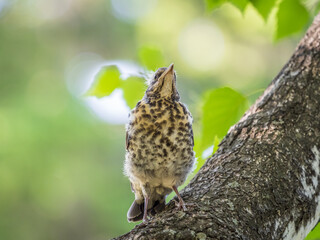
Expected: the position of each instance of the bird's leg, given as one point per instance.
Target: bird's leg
(145, 216)
(181, 202)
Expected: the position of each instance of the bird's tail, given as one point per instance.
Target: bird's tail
(135, 212)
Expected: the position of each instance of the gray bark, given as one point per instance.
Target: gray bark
(263, 182)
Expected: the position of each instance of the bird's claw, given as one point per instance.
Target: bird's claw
(181, 206)
(145, 220)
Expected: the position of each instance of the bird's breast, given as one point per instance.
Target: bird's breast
(160, 139)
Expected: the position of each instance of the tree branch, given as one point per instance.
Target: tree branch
(263, 182)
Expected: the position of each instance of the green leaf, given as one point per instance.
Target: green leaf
(133, 90)
(151, 57)
(316, 9)
(222, 108)
(216, 144)
(199, 153)
(314, 234)
(292, 16)
(212, 4)
(107, 80)
(240, 4)
(264, 7)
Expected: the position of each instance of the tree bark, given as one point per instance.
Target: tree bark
(263, 182)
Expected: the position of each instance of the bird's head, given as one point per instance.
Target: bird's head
(163, 84)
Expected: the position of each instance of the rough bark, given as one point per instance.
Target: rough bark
(263, 182)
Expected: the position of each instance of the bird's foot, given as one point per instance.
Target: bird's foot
(185, 205)
(193, 205)
(145, 210)
(144, 222)
(181, 205)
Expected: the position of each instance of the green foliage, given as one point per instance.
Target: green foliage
(263, 7)
(133, 89)
(107, 80)
(212, 4)
(221, 109)
(216, 143)
(151, 57)
(240, 4)
(316, 8)
(292, 16)
(314, 234)
(202, 159)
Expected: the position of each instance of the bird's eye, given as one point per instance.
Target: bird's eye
(158, 73)
(157, 76)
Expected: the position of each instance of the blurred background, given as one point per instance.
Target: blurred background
(61, 154)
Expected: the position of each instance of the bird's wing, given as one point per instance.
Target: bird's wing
(133, 116)
(192, 138)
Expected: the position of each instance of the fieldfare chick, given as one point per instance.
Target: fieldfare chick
(159, 144)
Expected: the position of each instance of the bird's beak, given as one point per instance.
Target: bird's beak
(167, 82)
(170, 68)
(169, 71)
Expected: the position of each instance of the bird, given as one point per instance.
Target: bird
(159, 146)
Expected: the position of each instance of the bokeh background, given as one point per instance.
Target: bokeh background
(61, 154)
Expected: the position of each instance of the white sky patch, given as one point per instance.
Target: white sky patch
(112, 109)
(290, 232)
(207, 153)
(3, 4)
(130, 11)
